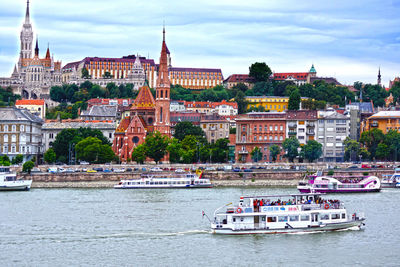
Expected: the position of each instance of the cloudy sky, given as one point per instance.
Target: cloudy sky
(346, 39)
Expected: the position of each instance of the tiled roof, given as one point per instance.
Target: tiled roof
(30, 102)
(100, 111)
(325, 79)
(123, 125)
(127, 59)
(76, 124)
(301, 114)
(16, 114)
(144, 99)
(194, 70)
(386, 114)
(237, 78)
(206, 104)
(296, 75)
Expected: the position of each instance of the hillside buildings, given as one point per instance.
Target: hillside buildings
(20, 133)
(271, 103)
(301, 124)
(33, 76)
(214, 127)
(383, 120)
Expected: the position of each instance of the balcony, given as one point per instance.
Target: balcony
(292, 132)
(243, 152)
(374, 124)
(292, 125)
(310, 124)
(310, 133)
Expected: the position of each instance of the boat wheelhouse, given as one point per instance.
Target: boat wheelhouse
(188, 180)
(391, 180)
(340, 184)
(9, 181)
(284, 214)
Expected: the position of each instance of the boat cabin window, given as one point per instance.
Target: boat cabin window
(335, 216)
(147, 182)
(241, 219)
(151, 182)
(305, 218)
(282, 218)
(271, 219)
(324, 216)
(294, 218)
(343, 216)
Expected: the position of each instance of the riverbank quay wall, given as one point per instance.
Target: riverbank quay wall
(273, 178)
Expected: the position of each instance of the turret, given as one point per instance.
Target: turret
(37, 48)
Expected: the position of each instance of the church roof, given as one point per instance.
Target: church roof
(313, 70)
(123, 125)
(144, 99)
(30, 102)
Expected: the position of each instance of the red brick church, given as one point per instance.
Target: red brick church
(146, 114)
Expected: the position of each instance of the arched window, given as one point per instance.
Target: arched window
(161, 114)
(6, 128)
(13, 138)
(14, 128)
(135, 139)
(5, 138)
(162, 94)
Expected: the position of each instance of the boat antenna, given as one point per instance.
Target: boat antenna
(204, 214)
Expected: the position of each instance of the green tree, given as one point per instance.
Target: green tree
(382, 151)
(107, 75)
(274, 151)
(139, 154)
(185, 128)
(352, 149)
(290, 145)
(240, 99)
(4, 161)
(175, 150)
(18, 159)
(156, 146)
(220, 150)
(312, 150)
(260, 71)
(392, 140)
(256, 154)
(28, 166)
(92, 150)
(371, 139)
(294, 100)
(85, 73)
(7, 97)
(50, 156)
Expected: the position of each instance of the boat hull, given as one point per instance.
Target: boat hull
(162, 187)
(390, 185)
(319, 228)
(16, 186)
(344, 190)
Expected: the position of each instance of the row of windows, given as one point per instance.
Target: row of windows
(270, 138)
(271, 128)
(13, 128)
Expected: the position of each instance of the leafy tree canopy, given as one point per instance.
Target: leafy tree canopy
(290, 145)
(260, 71)
(185, 128)
(312, 150)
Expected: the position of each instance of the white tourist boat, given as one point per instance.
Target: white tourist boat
(272, 214)
(9, 182)
(187, 180)
(391, 180)
(340, 184)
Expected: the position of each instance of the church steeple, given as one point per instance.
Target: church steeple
(48, 52)
(379, 76)
(37, 47)
(27, 17)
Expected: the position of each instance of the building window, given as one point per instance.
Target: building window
(270, 128)
(276, 138)
(270, 138)
(265, 128)
(5, 138)
(14, 128)
(281, 128)
(260, 138)
(276, 128)
(255, 128)
(255, 138)
(6, 128)
(260, 127)
(13, 138)
(22, 128)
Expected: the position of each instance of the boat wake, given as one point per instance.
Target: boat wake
(354, 228)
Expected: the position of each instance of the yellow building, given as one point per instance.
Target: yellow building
(35, 106)
(271, 103)
(383, 120)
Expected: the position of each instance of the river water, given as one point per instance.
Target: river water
(107, 227)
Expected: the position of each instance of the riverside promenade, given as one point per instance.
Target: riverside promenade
(257, 178)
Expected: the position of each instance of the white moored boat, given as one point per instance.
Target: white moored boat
(272, 214)
(188, 180)
(9, 182)
(391, 181)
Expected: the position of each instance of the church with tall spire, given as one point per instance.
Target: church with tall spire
(33, 76)
(147, 114)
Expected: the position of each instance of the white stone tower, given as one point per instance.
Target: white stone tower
(26, 38)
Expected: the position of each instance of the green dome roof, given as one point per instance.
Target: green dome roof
(312, 70)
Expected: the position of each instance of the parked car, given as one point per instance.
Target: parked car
(144, 169)
(353, 167)
(210, 168)
(69, 170)
(236, 169)
(119, 170)
(253, 167)
(52, 170)
(91, 170)
(248, 170)
(84, 170)
(179, 171)
(35, 170)
(156, 169)
(61, 170)
(98, 169)
(84, 163)
(365, 166)
(107, 170)
(128, 169)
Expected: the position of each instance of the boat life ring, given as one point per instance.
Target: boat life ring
(326, 206)
(239, 210)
